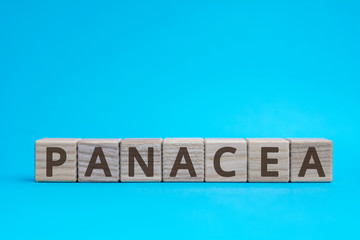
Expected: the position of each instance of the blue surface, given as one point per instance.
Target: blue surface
(178, 69)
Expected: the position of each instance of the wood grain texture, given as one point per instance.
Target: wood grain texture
(228, 161)
(142, 146)
(254, 159)
(111, 150)
(195, 148)
(63, 173)
(298, 150)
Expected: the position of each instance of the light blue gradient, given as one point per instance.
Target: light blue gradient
(179, 69)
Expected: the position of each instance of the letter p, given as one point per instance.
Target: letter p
(50, 163)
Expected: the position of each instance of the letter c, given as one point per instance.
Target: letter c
(217, 157)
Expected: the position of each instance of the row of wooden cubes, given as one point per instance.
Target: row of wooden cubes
(184, 160)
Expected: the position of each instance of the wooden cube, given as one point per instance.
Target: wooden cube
(183, 160)
(99, 160)
(55, 159)
(310, 160)
(225, 160)
(141, 159)
(268, 160)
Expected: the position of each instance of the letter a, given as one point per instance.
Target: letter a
(98, 152)
(307, 165)
(183, 152)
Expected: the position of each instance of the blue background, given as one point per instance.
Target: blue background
(178, 69)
